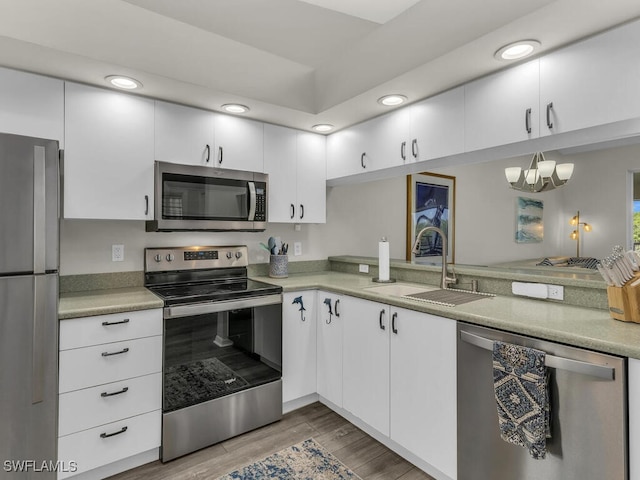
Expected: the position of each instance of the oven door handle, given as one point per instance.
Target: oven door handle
(178, 311)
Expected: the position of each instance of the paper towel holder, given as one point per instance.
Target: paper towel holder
(378, 279)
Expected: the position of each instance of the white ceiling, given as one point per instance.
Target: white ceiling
(294, 62)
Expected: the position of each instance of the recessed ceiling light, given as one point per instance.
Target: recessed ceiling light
(323, 127)
(235, 108)
(392, 100)
(126, 83)
(517, 50)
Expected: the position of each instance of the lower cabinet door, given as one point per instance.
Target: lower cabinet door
(331, 318)
(423, 387)
(109, 443)
(82, 409)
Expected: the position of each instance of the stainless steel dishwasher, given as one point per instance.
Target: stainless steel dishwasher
(588, 392)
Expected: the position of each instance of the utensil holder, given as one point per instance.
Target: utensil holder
(279, 266)
(624, 302)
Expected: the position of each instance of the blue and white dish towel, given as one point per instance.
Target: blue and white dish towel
(521, 385)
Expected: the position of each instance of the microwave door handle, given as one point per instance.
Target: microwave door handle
(252, 201)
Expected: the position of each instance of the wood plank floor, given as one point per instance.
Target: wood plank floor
(365, 456)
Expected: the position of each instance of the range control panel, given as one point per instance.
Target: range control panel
(195, 258)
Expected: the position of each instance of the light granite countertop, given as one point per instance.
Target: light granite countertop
(577, 326)
(589, 328)
(102, 302)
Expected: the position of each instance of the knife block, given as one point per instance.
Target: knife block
(624, 302)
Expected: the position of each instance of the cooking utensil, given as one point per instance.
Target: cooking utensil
(273, 246)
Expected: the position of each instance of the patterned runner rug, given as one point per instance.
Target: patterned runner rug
(305, 461)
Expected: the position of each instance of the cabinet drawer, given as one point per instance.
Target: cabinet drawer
(100, 364)
(89, 450)
(87, 331)
(90, 407)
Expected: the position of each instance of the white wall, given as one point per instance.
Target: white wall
(359, 215)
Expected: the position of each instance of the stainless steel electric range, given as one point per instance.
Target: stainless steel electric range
(222, 355)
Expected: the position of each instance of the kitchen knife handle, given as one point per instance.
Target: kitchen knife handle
(220, 155)
(403, 150)
(382, 327)
(208, 149)
(393, 322)
(414, 148)
(549, 108)
(527, 120)
(362, 159)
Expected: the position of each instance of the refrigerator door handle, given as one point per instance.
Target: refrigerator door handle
(39, 211)
(37, 352)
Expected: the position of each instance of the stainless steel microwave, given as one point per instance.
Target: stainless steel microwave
(191, 197)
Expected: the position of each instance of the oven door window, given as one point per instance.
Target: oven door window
(186, 197)
(214, 355)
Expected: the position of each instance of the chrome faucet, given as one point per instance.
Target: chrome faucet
(445, 280)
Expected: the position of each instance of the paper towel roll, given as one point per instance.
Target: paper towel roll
(383, 260)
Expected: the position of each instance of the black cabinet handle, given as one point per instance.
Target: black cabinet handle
(208, 149)
(146, 204)
(393, 322)
(414, 148)
(220, 155)
(106, 324)
(299, 301)
(527, 120)
(301, 211)
(119, 392)
(403, 148)
(362, 159)
(109, 354)
(293, 211)
(327, 302)
(107, 435)
(382, 327)
(335, 308)
(549, 108)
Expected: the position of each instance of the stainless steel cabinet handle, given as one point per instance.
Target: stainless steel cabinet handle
(576, 366)
(107, 435)
(393, 322)
(549, 108)
(108, 354)
(208, 149)
(220, 155)
(403, 148)
(527, 120)
(382, 327)
(119, 392)
(362, 159)
(106, 324)
(414, 148)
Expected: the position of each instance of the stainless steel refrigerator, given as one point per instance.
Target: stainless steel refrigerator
(29, 206)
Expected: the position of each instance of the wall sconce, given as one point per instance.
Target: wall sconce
(575, 235)
(542, 175)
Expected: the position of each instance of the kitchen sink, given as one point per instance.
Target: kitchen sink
(449, 297)
(399, 289)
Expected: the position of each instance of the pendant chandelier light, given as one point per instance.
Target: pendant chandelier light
(541, 176)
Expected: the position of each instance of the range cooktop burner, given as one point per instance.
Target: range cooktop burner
(212, 291)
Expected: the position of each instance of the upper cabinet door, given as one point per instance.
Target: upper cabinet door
(239, 143)
(280, 164)
(437, 126)
(31, 105)
(503, 108)
(382, 140)
(590, 83)
(346, 152)
(311, 171)
(108, 162)
(184, 134)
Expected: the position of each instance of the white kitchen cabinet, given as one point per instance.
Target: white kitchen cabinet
(110, 389)
(423, 387)
(331, 319)
(296, 164)
(436, 127)
(32, 105)
(183, 134)
(503, 108)
(239, 143)
(634, 419)
(298, 345)
(346, 152)
(109, 150)
(366, 363)
(593, 82)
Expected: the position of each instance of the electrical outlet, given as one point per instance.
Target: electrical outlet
(555, 292)
(297, 249)
(363, 268)
(117, 253)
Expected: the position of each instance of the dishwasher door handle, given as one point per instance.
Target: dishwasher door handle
(577, 366)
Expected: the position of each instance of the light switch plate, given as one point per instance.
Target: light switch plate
(297, 249)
